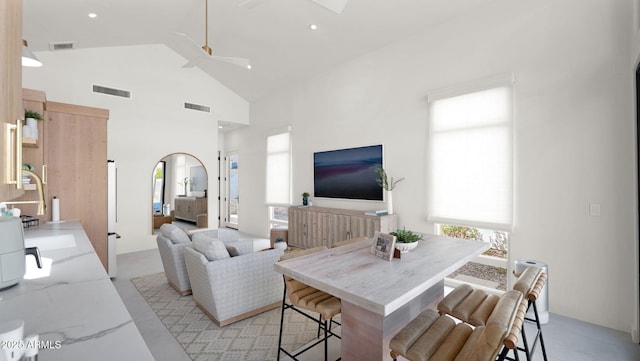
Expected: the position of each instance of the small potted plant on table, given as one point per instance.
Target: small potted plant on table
(406, 240)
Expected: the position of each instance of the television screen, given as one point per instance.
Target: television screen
(348, 173)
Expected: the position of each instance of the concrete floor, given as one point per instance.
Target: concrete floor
(566, 339)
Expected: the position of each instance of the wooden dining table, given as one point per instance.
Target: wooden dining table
(379, 297)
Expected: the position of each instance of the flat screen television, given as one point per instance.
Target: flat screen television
(348, 173)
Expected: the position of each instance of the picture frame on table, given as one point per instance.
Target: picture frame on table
(383, 245)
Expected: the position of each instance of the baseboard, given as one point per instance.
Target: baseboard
(241, 316)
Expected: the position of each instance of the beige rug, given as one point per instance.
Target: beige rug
(253, 339)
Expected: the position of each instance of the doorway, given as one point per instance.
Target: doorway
(232, 191)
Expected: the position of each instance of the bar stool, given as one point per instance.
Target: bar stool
(474, 306)
(302, 296)
(530, 284)
(434, 337)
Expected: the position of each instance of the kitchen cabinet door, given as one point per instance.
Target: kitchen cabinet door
(11, 97)
(76, 155)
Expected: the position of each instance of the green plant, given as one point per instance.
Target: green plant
(32, 114)
(386, 183)
(279, 240)
(461, 232)
(305, 194)
(404, 236)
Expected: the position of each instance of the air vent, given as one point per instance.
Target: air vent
(66, 45)
(198, 107)
(111, 91)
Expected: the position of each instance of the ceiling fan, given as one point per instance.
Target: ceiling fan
(333, 5)
(198, 54)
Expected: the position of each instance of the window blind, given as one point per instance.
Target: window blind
(471, 159)
(278, 190)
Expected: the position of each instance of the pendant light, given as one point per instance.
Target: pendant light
(28, 58)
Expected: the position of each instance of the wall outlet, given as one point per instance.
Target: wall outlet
(594, 209)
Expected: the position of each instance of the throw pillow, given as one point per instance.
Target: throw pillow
(233, 252)
(174, 233)
(212, 249)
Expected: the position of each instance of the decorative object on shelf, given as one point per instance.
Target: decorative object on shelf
(185, 182)
(30, 129)
(406, 240)
(305, 198)
(388, 184)
(383, 245)
(279, 243)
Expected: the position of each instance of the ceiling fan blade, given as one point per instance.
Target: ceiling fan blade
(334, 5)
(243, 62)
(189, 49)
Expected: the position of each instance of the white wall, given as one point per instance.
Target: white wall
(573, 133)
(144, 129)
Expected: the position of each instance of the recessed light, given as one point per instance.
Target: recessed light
(249, 66)
(313, 27)
(92, 15)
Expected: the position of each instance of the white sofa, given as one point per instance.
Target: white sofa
(229, 289)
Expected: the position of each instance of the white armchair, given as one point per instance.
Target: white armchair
(171, 243)
(229, 289)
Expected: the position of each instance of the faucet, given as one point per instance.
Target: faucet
(40, 201)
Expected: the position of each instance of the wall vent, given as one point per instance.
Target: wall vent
(64, 45)
(198, 107)
(111, 91)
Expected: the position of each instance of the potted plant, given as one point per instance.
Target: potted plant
(406, 240)
(30, 129)
(279, 243)
(32, 114)
(305, 198)
(388, 184)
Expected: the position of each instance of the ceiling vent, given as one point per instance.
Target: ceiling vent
(65, 45)
(198, 107)
(111, 91)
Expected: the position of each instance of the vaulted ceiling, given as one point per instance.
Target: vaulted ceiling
(274, 34)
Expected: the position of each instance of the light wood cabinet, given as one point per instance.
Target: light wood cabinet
(317, 226)
(33, 153)
(76, 158)
(10, 97)
(188, 208)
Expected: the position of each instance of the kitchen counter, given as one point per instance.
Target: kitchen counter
(76, 310)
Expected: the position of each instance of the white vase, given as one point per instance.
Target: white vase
(389, 202)
(280, 245)
(32, 122)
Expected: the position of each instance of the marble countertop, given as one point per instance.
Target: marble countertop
(354, 274)
(76, 309)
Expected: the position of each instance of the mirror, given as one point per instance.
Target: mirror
(179, 192)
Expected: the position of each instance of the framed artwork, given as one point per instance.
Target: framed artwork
(383, 245)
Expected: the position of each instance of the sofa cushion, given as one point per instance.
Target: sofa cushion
(212, 249)
(174, 233)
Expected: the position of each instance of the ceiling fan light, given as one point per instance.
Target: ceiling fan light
(313, 27)
(28, 58)
(249, 66)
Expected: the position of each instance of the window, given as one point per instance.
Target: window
(471, 155)
(278, 188)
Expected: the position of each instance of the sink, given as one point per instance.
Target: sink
(51, 242)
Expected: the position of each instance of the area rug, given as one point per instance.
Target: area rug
(252, 339)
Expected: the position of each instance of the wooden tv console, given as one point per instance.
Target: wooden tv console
(318, 226)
